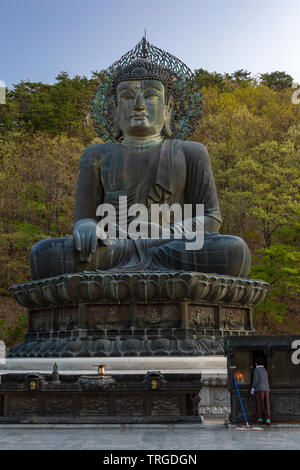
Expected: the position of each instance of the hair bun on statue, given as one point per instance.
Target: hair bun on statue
(144, 62)
(141, 69)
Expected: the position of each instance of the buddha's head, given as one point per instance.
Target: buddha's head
(143, 101)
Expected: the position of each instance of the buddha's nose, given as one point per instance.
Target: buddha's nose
(139, 104)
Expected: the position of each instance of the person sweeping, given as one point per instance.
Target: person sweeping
(261, 389)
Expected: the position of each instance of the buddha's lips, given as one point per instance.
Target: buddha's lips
(139, 116)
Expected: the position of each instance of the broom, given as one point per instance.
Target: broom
(243, 409)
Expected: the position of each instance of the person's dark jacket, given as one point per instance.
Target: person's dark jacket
(260, 380)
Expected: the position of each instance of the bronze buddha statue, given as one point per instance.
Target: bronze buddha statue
(147, 165)
(130, 283)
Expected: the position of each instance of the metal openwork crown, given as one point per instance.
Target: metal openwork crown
(181, 84)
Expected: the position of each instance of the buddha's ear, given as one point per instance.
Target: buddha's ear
(117, 129)
(167, 129)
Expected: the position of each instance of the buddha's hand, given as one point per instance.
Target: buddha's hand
(85, 238)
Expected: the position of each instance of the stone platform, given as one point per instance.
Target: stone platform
(204, 379)
(209, 372)
(171, 324)
(113, 314)
(139, 398)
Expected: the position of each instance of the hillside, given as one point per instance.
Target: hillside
(251, 129)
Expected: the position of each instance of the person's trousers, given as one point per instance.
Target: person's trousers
(263, 410)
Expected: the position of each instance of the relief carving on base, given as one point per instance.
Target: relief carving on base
(57, 406)
(201, 317)
(157, 316)
(232, 318)
(165, 406)
(103, 317)
(94, 406)
(67, 319)
(24, 406)
(286, 405)
(130, 406)
(42, 321)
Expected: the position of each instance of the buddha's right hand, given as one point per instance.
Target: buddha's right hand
(85, 238)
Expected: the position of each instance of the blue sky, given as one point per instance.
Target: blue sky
(40, 38)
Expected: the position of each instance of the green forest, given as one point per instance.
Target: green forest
(251, 129)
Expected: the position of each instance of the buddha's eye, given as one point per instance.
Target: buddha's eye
(152, 94)
(126, 97)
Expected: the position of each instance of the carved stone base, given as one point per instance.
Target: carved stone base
(110, 347)
(95, 314)
(149, 398)
(214, 395)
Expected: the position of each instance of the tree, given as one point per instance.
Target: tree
(267, 182)
(62, 108)
(253, 138)
(279, 265)
(276, 80)
(242, 77)
(37, 184)
(209, 79)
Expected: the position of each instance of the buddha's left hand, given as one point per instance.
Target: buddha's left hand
(85, 238)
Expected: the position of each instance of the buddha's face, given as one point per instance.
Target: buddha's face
(141, 109)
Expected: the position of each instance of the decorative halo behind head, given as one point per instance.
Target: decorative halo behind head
(141, 69)
(143, 62)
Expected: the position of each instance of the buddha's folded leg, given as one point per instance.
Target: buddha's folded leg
(52, 257)
(220, 254)
(57, 256)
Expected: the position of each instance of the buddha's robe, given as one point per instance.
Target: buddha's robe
(171, 172)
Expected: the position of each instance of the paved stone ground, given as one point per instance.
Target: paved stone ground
(211, 437)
